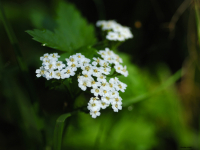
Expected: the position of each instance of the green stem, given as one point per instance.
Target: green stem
(22, 65)
(100, 9)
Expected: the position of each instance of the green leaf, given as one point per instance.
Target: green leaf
(58, 131)
(72, 30)
(48, 38)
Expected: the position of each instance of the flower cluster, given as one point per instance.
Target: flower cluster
(91, 76)
(115, 31)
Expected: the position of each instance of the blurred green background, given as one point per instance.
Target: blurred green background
(161, 109)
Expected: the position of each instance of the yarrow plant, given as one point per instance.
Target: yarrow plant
(91, 75)
(97, 73)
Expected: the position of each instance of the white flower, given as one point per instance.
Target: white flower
(44, 56)
(116, 32)
(71, 59)
(117, 59)
(96, 61)
(124, 71)
(111, 85)
(102, 53)
(112, 36)
(84, 83)
(94, 105)
(96, 91)
(104, 105)
(101, 78)
(117, 99)
(118, 68)
(50, 74)
(106, 99)
(94, 84)
(100, 23)
(87, 77)
(79, 56)
(95, 71)
(121, 86)
(114, 94)
(106, 70)
(58, 74)
(40, 72)
(125, 31)
(59, 65)
(67, 72)
(104, 64)
(84, 61)
(87, 69)
(108, 25)
(94, 113)
(117, 106)
(117, 28)
(114, 80)
(49, 65)
(74, 66)
(104, 86)
(94, 98)
(46, 60)
(54, 56)
(120, 37)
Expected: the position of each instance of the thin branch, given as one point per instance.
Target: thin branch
(181, 9)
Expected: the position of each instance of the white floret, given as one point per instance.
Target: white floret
(40, 72)
(84, 83)
(67, 72)
(54, 56)
(71, 59)
(94, 105)
(118, 68)
(84, 61)
(116, 106)
(58, 74)
(101, 77)
(95, 113)
(124, 71)
(121, 86)
(112, 36)
(60, 65)
(106, 99)
(49, 65)
(50, 74)
(106, 70)
(94, 83)
(44, 56)
(87, 69)
(104, 105)
(96, 61)
(97, 91)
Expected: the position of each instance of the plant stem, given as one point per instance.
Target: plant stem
(22, 65)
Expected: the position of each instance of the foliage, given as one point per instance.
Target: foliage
(72, 31)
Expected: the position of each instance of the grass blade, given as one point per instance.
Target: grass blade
(58, 131)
